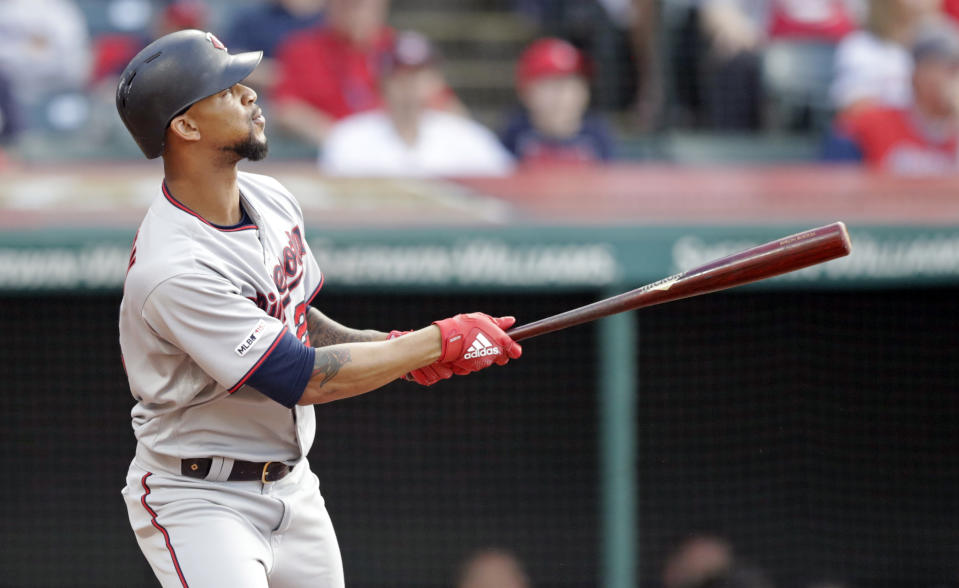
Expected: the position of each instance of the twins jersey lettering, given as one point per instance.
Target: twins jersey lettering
(203, 306)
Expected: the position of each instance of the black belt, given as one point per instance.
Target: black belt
(243, 471)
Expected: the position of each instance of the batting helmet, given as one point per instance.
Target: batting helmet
(171, 74)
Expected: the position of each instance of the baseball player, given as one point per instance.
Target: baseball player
(224, 353)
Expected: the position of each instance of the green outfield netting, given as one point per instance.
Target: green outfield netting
(816, 431)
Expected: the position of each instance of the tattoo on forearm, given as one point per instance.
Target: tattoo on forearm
(328, 363)
(324, 331)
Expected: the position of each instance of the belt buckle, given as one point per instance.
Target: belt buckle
(263, 475)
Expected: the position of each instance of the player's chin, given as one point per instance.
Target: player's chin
(259, 152)
(254, 147)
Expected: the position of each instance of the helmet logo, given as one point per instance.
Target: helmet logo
(217, 44)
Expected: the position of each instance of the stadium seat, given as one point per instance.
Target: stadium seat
(795, 78)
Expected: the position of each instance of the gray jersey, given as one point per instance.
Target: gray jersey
(202, 307)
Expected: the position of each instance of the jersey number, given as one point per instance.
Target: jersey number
(299, 319)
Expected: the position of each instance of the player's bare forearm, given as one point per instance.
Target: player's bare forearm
(350, 369)
(325, 331)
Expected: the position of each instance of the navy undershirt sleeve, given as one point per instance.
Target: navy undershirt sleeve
(284, 374)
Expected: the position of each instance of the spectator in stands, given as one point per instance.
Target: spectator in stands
(644, 33)
(407, 137)
(874, 66)
(332, 71)
(11, 120)
(262, 27)
(921, 138)
(736, 32)
(621, 35)
(708, 561)
(553, 127)
(44, 48)
(492, 568)
(697, 560)
(178, 15)
(112, 51)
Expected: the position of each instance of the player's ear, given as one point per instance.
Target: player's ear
(185, 127)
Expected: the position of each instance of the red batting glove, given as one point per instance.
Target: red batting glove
(475, 341)
(430, 374)
(426, 375)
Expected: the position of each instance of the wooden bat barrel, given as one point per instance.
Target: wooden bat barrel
(777, 257)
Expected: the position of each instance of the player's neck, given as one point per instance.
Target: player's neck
(211, 192)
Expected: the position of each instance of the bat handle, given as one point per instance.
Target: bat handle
(521, 332)
(550, 324)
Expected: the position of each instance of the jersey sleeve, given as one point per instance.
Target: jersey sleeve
(207, 318)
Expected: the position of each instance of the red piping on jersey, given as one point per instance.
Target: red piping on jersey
(133, 251)
(317, 291)
(184, 208)
(166, 536)
(259, 363)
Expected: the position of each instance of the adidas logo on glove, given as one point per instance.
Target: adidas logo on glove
(481, 347)
(475, 341)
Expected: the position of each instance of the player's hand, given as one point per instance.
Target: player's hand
(475, 341)
(426, 375)
(430, 374)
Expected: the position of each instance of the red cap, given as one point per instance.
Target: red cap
(186, 14)
(550, 57)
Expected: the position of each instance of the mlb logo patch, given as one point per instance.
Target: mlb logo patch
(250, 340)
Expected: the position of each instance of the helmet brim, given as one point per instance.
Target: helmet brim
(235, 71)
(240, 67)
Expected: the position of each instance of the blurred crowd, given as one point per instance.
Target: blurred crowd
(873, 82)
(695, 560)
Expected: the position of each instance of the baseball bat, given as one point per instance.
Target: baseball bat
(758, 263)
